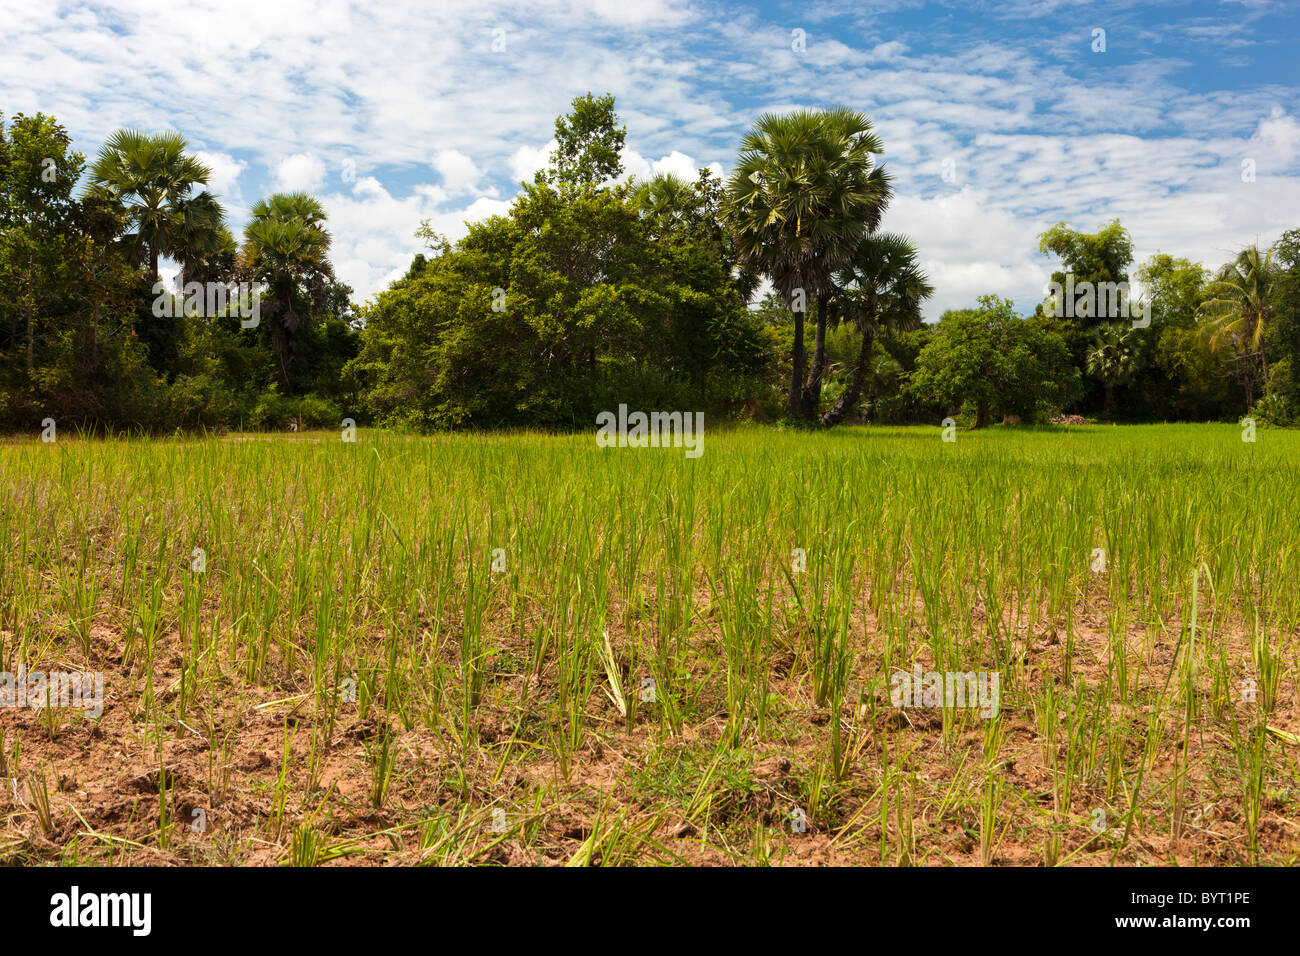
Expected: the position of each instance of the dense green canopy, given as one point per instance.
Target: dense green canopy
(594, 290)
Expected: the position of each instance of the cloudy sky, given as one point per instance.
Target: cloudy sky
(999, 118)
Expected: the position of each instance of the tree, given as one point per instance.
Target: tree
(1103, 256)
(286, 246)
(100, 277)
(1173, 288)
(666, 197)
(577, 300)
(589, 142)
(1097, 263)
(1236, 314)
(156, 183)
(881, 286)
(1285, 337)
(995, 360)
(38, 171)
(67, 347)
(205, 248)
(1179, 377)
(806, 190)
(1113, 358)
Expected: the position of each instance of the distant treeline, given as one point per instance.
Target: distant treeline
(589, 294)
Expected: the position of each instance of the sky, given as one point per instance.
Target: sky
(999, 119)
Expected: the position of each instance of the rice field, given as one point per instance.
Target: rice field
(524, 649)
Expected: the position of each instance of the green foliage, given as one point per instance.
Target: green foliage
(881, 286)
(588, 143)
(1285, 335)
(1237, 313)
(587, 295)
(574, 302)
(1174, 288)
(66, 344)
(1114, 358)
(1273, 409)
(1182, 377)
(79, 340)
(286, 246)
(156, 184)
(1103, 256)
(996, 361)
(806, 190)
(1100, 259)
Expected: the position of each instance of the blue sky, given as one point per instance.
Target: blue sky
(395, 112)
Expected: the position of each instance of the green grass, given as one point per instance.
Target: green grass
(349, 677)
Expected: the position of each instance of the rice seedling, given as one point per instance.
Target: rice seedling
(646, 658)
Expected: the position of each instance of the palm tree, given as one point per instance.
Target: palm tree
(286, 246)
(1113, 358)
(806, 190)
(283, 207)
(154, 181)
(204, 246)
(665, 195)
(881, 286)
(844, 127)
(883, 370)
(1237, 313)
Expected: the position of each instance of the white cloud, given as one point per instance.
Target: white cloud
(637, 12)
(635, 166)
(677, 163)
(526, 161)
(301, 172)
(279, 96)
(969, 247)
(435, 194)
(1279, 136)
(374, 231)
(888, 50)
(459, 174)
(225, 172)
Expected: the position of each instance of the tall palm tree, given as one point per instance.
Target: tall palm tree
(1238, 311)
(287, 247)
(843, 127)
(157, 185)
(881, 286)
(1113, 358)
(806, 190)
(283, 207)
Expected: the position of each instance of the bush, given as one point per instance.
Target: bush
(1273, 409)
(274, 411)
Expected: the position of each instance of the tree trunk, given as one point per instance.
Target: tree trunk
(849, 398)
(94, 330)
(284, 368)
(1108, 402)
(812, 392)
(31, 342)
(794, 405)
(982, 414)
(29, 308)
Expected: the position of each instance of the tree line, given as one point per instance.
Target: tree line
(592, 291)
